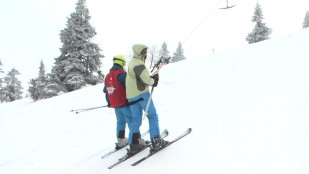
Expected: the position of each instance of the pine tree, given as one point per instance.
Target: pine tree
(306, 20)
(45, 86)
(1, 71)
(1, 90)
(37, 86)
(260, 31)
(164, 53)
(42, 75)
(33, 90)
(80, 57)
(178, 55)
(53, 86)
(41, 81)
(12, 90)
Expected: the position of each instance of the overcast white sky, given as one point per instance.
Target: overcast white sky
(30, 28)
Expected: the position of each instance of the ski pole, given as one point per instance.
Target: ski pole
(150, 96)
(158, 65)
(87, 109)
(148, 103)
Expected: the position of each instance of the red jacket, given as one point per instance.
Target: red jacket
(115, 91)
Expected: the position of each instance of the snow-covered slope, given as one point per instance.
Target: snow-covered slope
(248, 109)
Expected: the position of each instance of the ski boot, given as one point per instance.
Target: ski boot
(157, 143)
(122, 142)
(135, 148)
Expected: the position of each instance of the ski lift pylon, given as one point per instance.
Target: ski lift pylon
(227, 5)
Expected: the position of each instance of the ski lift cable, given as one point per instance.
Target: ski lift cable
(202, 21)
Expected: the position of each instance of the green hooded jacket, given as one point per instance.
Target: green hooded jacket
(138, 77)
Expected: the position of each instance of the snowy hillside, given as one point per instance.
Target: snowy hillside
(248, 109)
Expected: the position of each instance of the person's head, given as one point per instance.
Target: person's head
(119, 60)
(144, 53)
(140, 51)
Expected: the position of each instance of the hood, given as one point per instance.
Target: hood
(137, 49)
(116, 67)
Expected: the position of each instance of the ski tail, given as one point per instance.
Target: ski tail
(152, 152)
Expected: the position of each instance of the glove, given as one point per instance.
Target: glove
(156, 80)
(109, 105)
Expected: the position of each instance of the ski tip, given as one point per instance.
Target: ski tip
(189, 130)
(164, 133)
(110, 167)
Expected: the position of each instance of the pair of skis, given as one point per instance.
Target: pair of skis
(151, 152)
(129, 155)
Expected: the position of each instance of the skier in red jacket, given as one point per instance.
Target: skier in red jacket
(115, 93)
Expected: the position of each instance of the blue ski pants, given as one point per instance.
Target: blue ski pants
(123, 116)
(137, 116)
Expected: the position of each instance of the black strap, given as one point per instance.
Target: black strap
(134, 102)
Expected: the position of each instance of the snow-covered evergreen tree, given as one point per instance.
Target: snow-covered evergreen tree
(37, 86)
(45, 86)
(306, 20)
(80, 57)
(41, 81)
(42, 75)
(53, 86)
(178, 55)
(12, 90)
(260, 31)
(1, 71)
(33, 90)
(164, 53)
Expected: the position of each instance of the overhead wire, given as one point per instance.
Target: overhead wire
(202, 21)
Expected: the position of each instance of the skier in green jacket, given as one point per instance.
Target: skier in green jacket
(138, 81)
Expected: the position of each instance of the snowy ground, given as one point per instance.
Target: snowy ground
(248, 109)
